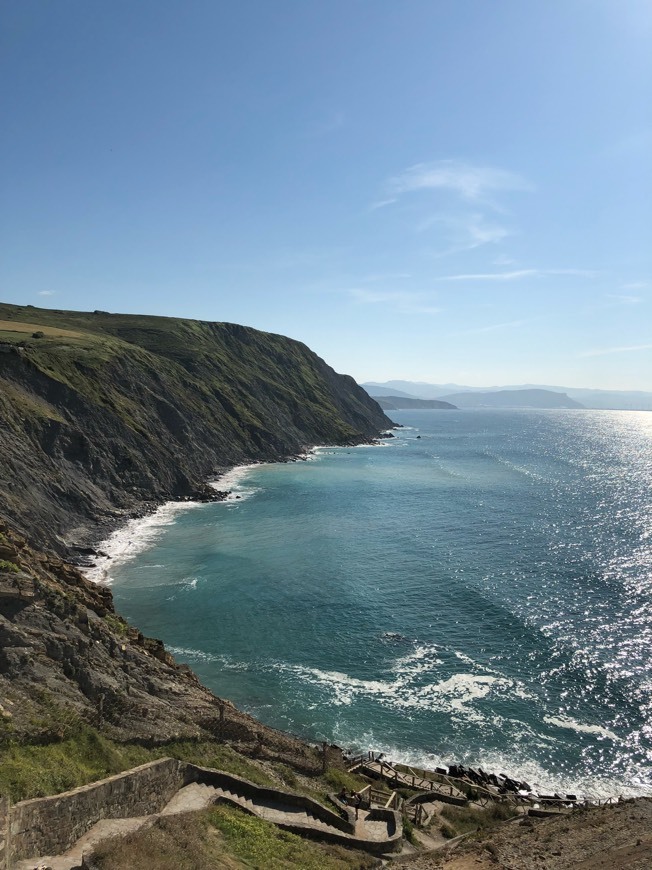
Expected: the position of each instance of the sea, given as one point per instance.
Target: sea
(476, 589)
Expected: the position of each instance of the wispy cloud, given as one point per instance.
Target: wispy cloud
(466, 233)
(607, 350)
(491, 276)
(492, 327)
(624, 299)
(472, 182)
(46, 293)
(381, 203)
(405, 301)
(517, 274)
(636, 285)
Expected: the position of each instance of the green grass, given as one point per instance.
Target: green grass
(461, 820)
(336, 779)
(35, 771)
(11, 567)
(218, 755)
(262, 845)
(85, 755)
(197, 363)
(226, 838)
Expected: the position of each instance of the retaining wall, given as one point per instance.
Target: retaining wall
(51, 825)
(249, 789)
(4, 831)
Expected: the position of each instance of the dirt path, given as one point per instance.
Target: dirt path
(618, 837)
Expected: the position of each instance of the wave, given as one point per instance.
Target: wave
(137, 535)
(452, 695)
(233, 482)
(566, 722)
(516, 765)
(196, 656)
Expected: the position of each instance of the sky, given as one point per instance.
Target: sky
(435, 190)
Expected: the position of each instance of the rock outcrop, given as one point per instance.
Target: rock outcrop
(67, 658)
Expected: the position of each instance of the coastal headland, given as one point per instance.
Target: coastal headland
(104, 417)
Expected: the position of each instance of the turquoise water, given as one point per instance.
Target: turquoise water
(478, 594)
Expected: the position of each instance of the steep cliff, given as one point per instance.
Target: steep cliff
(101, 414)
(67, 659)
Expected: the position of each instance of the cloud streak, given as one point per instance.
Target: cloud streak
(624, 299)
(404, 301)
(517, 274)
(492, 276)
(472, 183)
(493, 327)
(607, 350)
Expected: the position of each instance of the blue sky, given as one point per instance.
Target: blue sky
(448, 190)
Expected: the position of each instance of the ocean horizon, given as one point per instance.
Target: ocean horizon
(474, 590)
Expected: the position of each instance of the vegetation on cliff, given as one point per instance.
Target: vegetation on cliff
(101, 413)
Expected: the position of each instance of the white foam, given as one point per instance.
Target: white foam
(567, 722)
(197, 655)
(233, 481)
(422, 660)
(137, 535)
(453, 695)
(515, 766)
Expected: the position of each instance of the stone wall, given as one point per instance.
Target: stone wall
(4, 831)
(229, 781)
(51, 825)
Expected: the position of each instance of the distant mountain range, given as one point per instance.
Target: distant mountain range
(397, 403)
(513, 399)
(618, 400)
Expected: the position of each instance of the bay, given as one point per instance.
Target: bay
(475, 590)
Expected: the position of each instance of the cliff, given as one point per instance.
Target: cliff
(102, 414)
(67, 659)
(105, 415)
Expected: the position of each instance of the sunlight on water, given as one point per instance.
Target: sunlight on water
(479, 594)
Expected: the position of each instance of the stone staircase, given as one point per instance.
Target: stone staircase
(378, 831)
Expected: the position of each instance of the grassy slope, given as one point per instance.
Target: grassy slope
(103, 412)
(205, 357)
(219, 837)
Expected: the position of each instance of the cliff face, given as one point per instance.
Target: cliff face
(104, 414)
(66, 657)
(101, 414)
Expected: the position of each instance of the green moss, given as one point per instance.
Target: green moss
(116, 624)
(11, 567)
